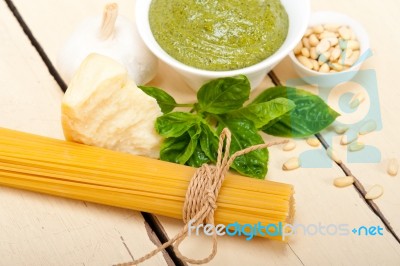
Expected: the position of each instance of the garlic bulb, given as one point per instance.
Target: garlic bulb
(113, 36)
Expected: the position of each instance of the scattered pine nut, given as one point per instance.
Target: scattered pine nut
(356, 100)
(393, 167)
(344, 181)
(291, 145)
(332, 154)
(291, 164)
(350, 136)
(368, 127)
(374, 192)
(341, 129)
(356, 146)
(313, 142)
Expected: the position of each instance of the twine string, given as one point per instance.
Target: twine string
(201, 199)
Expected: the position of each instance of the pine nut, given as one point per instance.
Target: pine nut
(357, 100)
(331, 27)
(368, 127)
(309, 31)
(318, 29)
(356, 146)
(344, 181)
(305, 52)
(323, 58)
(315, 64)
(297, 49)
(352, 59)
(351, 135)
(313, 142)
(345, 33)
(313, 53)
(335, 54)
(393, 167)
(291, 145)
(291, 164)
(324, 68)
(332, 154)
(336, 66)
(305, 62)
(326, 34)
(374, 192)
(323, 46)
(354, 45)
(313, 40)
(332, 40)
(342, 44)
(341, 129)
(306, 42)
(347, 52)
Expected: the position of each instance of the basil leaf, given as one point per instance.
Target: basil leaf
(245, 134)
(209, 142)
(310, 116)
(180, 149)
(223, 95)
(263, 113)
(280, 92)
(175, 124)
(198, 157)
(164, 100)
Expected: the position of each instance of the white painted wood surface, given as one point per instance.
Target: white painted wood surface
(37, 229)
(317, 200)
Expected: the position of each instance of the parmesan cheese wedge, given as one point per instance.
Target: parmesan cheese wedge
(103, 107)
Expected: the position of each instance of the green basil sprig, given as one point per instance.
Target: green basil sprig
(191, 138)
(310, 116)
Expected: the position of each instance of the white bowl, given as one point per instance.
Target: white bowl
(332, 79)
(298, 13)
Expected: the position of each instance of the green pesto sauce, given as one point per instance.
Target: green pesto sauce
(219, 34)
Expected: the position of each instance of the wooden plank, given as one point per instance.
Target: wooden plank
(384, 143)
(317, 200)
(42, 230)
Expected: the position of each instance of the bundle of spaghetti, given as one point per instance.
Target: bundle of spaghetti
(93, 174)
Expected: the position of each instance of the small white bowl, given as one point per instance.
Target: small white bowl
(298, 13)
(329, 80)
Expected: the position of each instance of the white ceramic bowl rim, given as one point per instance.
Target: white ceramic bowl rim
(323, 17)
(142, 8)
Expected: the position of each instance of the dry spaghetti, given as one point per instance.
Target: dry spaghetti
(102, 176)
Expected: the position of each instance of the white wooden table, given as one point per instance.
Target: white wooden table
(37, 229)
